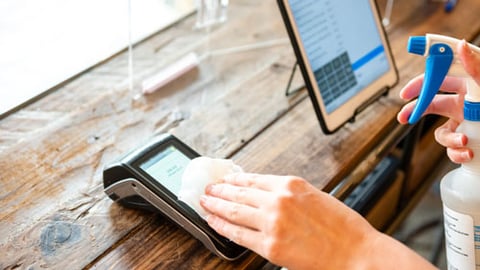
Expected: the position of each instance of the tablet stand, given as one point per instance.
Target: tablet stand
(288, 91)
(381, 93)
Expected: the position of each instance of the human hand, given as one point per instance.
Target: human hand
(293, 224)
(288, 221)
(448, 105)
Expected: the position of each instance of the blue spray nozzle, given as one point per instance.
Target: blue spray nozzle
(417, 44)
(439, 59)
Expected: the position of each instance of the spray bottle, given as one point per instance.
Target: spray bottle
(460, 188)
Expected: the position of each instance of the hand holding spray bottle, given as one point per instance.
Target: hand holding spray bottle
(460, 188)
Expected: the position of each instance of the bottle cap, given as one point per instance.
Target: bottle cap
(471, 111)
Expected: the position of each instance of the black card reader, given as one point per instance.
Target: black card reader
(150, 178)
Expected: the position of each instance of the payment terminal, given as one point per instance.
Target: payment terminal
(150, 177)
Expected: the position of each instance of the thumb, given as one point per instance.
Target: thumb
(470, 60)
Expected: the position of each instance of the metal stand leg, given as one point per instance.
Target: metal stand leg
(289, 91)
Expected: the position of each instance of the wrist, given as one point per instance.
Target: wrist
(385, 252)
(364, 256)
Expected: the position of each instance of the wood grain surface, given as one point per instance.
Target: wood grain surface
(54, 213)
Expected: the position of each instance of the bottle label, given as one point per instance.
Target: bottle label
(460, 236)
(477, 242)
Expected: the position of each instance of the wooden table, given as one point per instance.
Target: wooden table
(53, 210)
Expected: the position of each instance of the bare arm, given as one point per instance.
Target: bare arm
(293, 224)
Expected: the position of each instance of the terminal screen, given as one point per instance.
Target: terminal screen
(167, 168)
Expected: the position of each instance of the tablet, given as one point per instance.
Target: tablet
(343, 53)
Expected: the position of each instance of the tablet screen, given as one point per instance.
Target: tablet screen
(344, 55)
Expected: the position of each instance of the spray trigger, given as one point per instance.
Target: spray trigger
(439, 59)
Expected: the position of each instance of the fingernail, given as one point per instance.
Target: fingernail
(467, 155)
(211, 188)
(465, 45)
(460, 140)
(203, 199)
(208, 188)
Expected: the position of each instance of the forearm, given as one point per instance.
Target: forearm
(385, 252)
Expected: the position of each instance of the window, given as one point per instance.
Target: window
(46, 42)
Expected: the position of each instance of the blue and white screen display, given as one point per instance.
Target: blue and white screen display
(342, 44)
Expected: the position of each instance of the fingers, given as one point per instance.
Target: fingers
(455, 142)
(450, 85)
(470, 60)
(441, 105)
(241, 235)
(446, 136)
(238, 199)
(235, 213)
(241, 209)
(459, 156)
(412, 88)
(405, 112)
(244, 195)
(262, 182)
